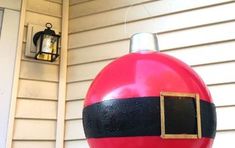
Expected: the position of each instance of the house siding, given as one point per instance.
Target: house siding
(9, 26)
(35, 118)
(200, 33)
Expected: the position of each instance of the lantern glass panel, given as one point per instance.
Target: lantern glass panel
(49, 44)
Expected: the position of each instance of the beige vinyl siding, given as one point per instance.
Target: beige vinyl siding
(32, 18)
(9, 27)
(148, 10)
(39, 71)
(74, 109)
(44, 109)
(76, 143)
(1, 18)
(34, 144)
(75, 2)
(74, 87)
(11, 4)
(55, 1)
(95, 6)
(36, 106)
(45, 7)
(200, 33)
(27, 129)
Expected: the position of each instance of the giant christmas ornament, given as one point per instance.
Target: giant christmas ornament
(147, 99)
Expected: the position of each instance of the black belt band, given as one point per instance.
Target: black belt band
(108, 118)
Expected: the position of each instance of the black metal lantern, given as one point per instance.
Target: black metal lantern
(47, 44)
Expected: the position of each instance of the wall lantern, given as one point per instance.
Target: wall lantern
(47, 44)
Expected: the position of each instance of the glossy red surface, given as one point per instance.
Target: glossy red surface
(145, 74)
(148, 142)
(142, 75)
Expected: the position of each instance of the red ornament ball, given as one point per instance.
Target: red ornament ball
(123, 105)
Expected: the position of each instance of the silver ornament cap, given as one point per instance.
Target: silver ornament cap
(143, 42)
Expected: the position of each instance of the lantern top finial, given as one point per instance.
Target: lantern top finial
(143, 42)
(48, 25)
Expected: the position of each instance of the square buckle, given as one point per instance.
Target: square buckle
(182, 104)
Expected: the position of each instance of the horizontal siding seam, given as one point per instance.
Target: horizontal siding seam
(73, 119)
(213, 63)
(70, 140)
(54, 2)
(74, 100)
(150, 17)
(198, 45)
(197, 26)
(33, 99)
(78, 3)
(38, 99)
(35, 118)
(226, 130)
(39, 80)
(113, 25)
(75, 139)
(16, 139)
(38, 61)
(90, 62)
(226, 106)
(41, 13)
(79, 81)
(223, 83)
(96, 44)
(71, 18)
(17, 10)
(85, 46)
